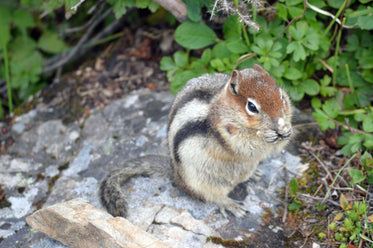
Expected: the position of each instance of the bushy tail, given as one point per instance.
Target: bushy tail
(110, 192)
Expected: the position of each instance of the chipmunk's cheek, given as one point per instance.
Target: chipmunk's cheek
(232, 130)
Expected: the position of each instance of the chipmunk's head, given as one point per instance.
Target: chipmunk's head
(262, 104)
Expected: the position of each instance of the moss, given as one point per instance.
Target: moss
(228, 242)
(52, 182)
(4, 203)
(63, 166)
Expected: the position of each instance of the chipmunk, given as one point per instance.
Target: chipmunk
(219, 129)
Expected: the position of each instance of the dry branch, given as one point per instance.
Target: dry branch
(176, 7)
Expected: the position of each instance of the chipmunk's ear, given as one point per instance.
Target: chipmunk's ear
(260, 69)
(234, 82)
(265, 75)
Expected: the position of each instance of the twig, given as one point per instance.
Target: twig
(84, 26)
(339, 172)
(351, 129)
(362, 189)
(82, 40)
(315, 198)
(326, 65)
(176, 7)
(322, 165)
(323, 12)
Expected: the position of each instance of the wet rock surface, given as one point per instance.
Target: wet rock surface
(51, 162)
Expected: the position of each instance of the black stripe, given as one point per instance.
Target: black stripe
(189, 129)
(220, 139)
(197, 94)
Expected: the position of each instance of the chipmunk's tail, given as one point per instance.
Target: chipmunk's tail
(110, 192)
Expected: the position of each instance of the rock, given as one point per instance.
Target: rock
(77, 223)
(186, 221)
(51, 136)
(177, 237)
(52, 161)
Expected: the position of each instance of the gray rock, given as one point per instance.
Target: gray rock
(77, 223)
(51, 162)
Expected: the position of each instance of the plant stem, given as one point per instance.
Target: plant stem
(336, 54)
(351, 129)
(6, 65)
(335, 179)
(245, 35)
(335, 18)
(352, 112)
(352, 86)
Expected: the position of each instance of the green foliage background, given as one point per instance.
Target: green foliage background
(314, 59)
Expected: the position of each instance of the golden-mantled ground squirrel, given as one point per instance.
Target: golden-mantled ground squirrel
(219, 129)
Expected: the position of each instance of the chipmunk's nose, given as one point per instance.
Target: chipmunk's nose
(278, 124)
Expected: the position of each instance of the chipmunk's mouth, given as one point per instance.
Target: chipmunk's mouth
(273, 136)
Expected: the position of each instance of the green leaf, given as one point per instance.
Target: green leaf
(167, 64)
(366, 59)
(296, 93)
(328, 91)
(299, 30)
(367, 159)
(22, 19)
(194, 35)
(6, 15)
(311, 41)
(181, 59)
(370, 179)
(217, 64)
(237, 46)
(352, 43)
(297, 49)
(368, 141)
(311, 87)
(368, 124)
(51, 43)
(323, 120)
(316, 103)
(4, 34)
(282, 10)
(331, 108)
(343, 140)
(367, 75)
(232, 28)
(293, 186)
(293, 206)
(335, 3)
(220, 51)
(206, 56)
(120, 8)
(356, 175)
(293, 2)
(292, 74)
(295, 11)
(365, 22)
(193, 10)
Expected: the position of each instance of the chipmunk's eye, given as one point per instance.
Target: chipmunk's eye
(252, 108)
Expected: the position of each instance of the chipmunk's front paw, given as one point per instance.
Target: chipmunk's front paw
(235, 207)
